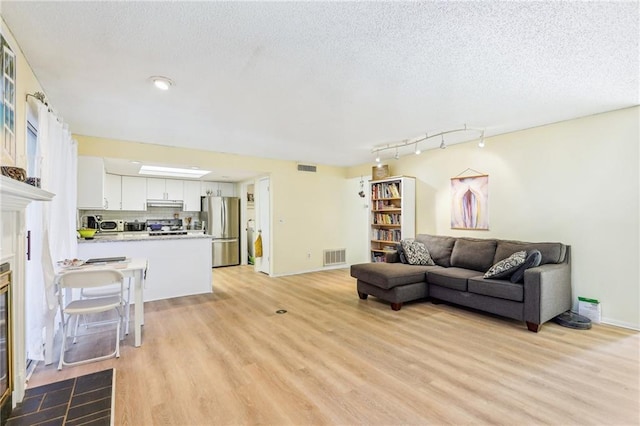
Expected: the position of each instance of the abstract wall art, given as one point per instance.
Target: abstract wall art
(470, 202)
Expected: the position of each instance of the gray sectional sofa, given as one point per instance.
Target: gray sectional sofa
(457, 277)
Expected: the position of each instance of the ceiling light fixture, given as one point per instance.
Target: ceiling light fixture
(415, 141)
(442, 144)
(162, 83)
(172, 172)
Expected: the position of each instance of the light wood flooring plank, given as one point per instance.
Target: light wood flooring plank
(229, 359)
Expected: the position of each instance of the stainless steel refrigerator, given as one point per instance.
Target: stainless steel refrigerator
(221, 220)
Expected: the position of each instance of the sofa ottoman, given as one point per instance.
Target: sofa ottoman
(394, 282)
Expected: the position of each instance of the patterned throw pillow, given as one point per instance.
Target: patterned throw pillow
(508, 266)
(416, 253)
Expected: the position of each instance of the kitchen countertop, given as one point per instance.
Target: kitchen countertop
(139, 236)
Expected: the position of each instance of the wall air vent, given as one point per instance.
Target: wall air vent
(306, 168)
(335, 257)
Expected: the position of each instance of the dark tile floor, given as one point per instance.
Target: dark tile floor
(84, 400)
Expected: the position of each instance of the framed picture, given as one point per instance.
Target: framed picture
(381, 172)
(470, 202)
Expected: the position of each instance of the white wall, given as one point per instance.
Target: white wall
(576, 182)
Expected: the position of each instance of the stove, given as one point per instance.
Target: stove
(165, 227)
(174, 232)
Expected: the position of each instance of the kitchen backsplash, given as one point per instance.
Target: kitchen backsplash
(143, 216)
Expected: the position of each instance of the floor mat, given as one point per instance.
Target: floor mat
(84, 400)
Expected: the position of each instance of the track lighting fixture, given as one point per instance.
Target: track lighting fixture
(442, 144)
(415, 141)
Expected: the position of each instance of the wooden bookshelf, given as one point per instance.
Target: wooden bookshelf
(393, 214)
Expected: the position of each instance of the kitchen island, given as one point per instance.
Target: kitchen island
(179, 265)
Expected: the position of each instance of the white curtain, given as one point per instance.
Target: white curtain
(57, 236)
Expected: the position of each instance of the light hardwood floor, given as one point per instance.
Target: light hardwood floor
(229, 359)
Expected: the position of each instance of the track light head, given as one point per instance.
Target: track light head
(481, 143)
(397, 156)
(377, 158)
(417, 149)
(442, 144)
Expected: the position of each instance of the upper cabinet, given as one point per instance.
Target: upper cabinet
(164, 189)
(191, 196)
(113, 192)
(219, 189)
(134, 193)
(98, 190)
(91, 183)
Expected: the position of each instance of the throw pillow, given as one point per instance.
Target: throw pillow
(401, 255)
(416, 253)
(534, 257)
(506, 267)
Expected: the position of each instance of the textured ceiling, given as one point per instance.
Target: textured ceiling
(324, 82)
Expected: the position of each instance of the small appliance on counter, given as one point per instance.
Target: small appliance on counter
(91, 221)
(111, 225)
(135, 226)
(165, 227)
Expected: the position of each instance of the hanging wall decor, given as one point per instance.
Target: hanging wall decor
(7, 104)
(470, 202)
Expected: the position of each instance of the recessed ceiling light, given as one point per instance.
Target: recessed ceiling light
(162, 83)
(172, 172)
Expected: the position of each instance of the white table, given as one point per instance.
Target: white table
(135, 268)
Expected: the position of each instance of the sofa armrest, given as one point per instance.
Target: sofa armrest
(547, 292)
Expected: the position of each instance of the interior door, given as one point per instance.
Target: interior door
(263, 207)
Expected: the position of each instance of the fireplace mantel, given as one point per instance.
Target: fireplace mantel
(15, 196)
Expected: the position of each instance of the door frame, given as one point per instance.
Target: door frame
(263, 201)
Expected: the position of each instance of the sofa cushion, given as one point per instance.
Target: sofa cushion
(506, 267)
(454, 278)
(502, 289)
(439, 248)
(416, 253)
(551, 252)
(389, 275)
(471, 253)
(533, 259)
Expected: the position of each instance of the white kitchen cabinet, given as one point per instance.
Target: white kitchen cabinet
(164, 189)
(134, 193)
(219, 189)
(155, 188)
(191, 195)
(174, 189)
(91, 183)
(113, 192)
